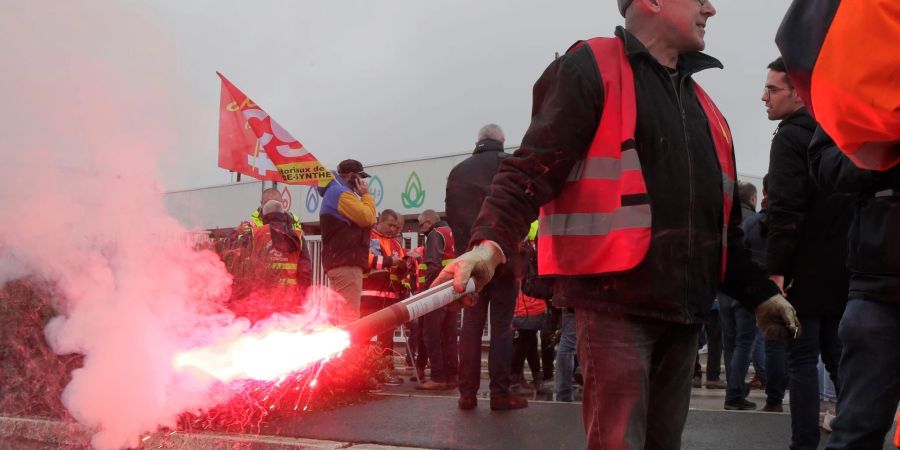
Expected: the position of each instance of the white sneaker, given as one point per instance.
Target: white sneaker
(826, 421)
(704, 350)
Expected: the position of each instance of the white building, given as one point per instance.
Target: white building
(408, 187)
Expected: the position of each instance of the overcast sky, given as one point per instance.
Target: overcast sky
(379, 80)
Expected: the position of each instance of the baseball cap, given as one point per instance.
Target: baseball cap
(623, 5)
(352, 166)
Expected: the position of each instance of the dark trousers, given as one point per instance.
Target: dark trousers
(548, 341)
(439, 332)
(637, 379)
(418, 337)
(869, 375)
(500, 295)
(776, 366)
(738, 332)
(819, 335)
(525, 347)
(713, 347)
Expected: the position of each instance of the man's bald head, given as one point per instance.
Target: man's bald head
(270, 194)
(427, 220)
(272, 206)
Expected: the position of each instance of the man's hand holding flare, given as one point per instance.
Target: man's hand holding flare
(479, 263)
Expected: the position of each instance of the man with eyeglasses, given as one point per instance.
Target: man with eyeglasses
(631, 167)
(806, 252)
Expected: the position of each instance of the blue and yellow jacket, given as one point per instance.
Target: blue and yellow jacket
(346, 219)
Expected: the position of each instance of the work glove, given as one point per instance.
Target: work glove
(777, 319)
(478, 264)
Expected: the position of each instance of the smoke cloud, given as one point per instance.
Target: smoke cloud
(81, 208)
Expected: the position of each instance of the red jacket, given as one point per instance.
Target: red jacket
(529, 306)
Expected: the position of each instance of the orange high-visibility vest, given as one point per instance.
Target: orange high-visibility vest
(600, 222)
(383, 281)
(280, 268)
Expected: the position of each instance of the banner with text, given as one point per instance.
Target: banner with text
(273, 153)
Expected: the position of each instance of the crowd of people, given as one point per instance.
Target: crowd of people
(619, 231)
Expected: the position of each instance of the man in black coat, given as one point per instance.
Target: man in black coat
(467, 186)
(806, 253)
(870, 329)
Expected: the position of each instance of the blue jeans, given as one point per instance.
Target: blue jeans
(869, 375)
(637, 379)
(565, 357)
(818, 335)
(759, 355)
(500, 294)
(738, 333)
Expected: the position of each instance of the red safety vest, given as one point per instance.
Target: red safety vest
(601, 220)
(447, 255)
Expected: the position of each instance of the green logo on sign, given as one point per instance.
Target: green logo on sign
(413, 196)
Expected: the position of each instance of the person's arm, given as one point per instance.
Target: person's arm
(790, 189)
(832, 170)
(359, 209)
(568, 102)
(744, 280)
(379, 262)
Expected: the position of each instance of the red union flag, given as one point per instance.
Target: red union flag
(253, 143)
(239, 149)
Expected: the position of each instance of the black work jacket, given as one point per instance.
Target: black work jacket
(677, 279)
(467, 186)
(874, 238)
(434, 252)
(807, 240)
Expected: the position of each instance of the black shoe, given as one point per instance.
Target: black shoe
(467, 402)
(740, 405)
(508, 401)
(773, 408)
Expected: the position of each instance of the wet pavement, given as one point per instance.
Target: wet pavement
(403, 417)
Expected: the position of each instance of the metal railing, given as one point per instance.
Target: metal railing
(410, 240)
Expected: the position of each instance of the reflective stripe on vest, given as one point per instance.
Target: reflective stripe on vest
(380, 294)
(601, 220)
(282, 265)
